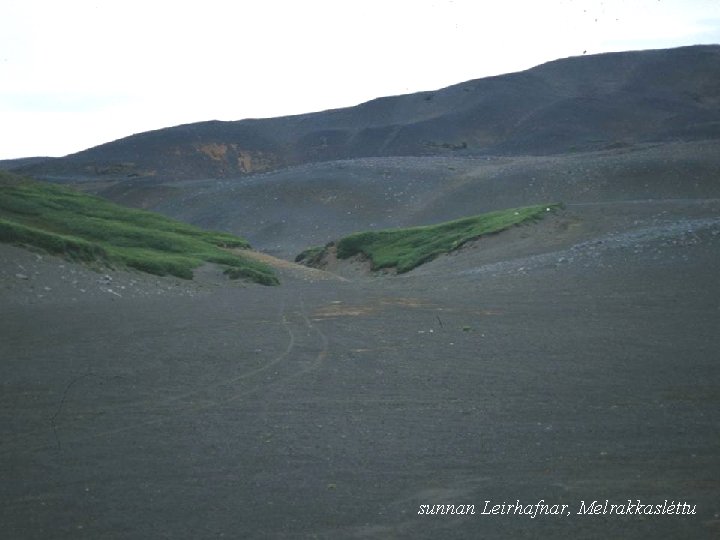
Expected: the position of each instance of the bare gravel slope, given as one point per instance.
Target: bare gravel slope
(574, 361)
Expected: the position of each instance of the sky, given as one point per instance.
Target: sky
(78, 73)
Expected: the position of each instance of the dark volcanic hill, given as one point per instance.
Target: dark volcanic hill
(576, 104)
(9, 164)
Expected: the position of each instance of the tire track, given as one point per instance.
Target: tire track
(8, 446)
(313, 366)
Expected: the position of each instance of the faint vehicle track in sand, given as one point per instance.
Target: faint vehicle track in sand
(243, 385)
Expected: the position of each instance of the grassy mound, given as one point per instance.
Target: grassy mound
(311, 256)
(86, 228)
(405, 249)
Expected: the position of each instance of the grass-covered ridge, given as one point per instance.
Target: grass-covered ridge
(405, 249)
(87, 228)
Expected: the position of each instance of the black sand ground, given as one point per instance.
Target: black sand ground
(577, 362)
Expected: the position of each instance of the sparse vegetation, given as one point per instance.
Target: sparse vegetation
(311, 256)
(90, 229)
(246, 272)
(405, 249)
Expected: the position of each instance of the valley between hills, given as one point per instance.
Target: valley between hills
(569, 357)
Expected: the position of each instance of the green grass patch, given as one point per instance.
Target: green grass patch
(405, 249)
(82, 227)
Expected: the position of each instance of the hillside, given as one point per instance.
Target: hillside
(586, 103)
(81, 227)
(401, 250)
(563, 361)
(285, 211)
(8, 164)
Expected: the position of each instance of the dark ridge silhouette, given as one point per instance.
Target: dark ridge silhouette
(8, 164)
(576, 104)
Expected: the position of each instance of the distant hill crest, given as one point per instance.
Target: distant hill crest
(575, 104)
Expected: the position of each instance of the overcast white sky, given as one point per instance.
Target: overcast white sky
(78, 73)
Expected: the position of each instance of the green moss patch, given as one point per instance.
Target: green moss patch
(82, 227)
(405, 249)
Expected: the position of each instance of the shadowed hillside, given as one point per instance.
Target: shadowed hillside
(576, 104)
